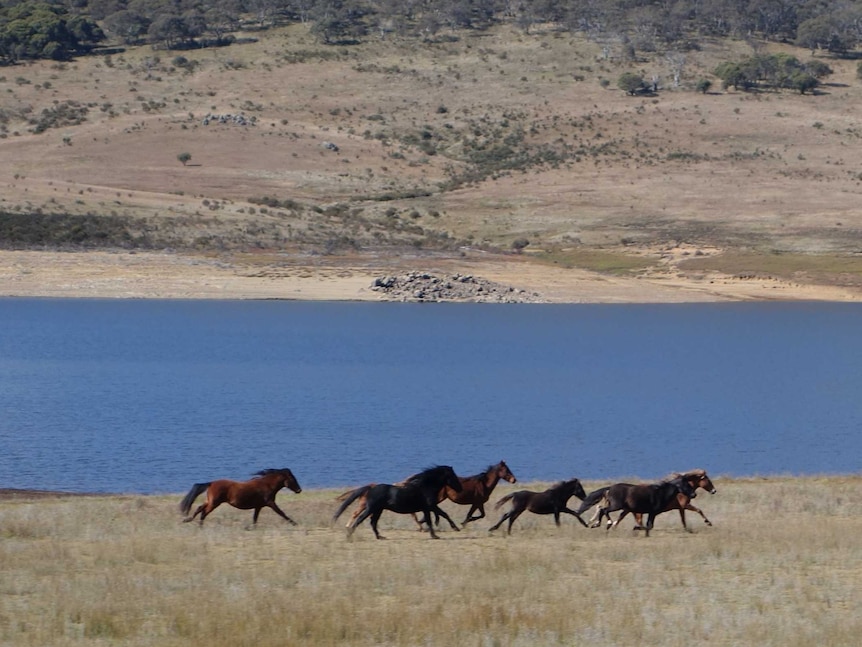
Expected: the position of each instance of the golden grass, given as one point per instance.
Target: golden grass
(781, 566)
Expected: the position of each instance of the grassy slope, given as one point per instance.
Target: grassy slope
(781, 566)
(440, 146)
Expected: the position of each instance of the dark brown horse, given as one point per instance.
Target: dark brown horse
(553, 501)
(417, 494)
(696, 479)
(256, 494)
(682, 502)
(476, 490)
(652, 500)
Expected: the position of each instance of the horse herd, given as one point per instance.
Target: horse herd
(423, 493)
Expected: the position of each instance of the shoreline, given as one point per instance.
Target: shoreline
(31, 494)
(171, 275)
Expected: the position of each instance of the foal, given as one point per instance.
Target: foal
(553, 501)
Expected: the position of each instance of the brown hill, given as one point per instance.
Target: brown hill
(507, 156)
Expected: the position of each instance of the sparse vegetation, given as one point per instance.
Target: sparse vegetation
(780, 566)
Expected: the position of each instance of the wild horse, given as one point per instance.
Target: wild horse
(553, 501)
(256, 494)
(417, 494)
(476, 490)
(696, 479)
(651, 500)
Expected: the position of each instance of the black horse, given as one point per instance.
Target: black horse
(417, 494)
(553, 501)
(651, 500)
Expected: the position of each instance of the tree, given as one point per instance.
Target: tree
(631, 83)
(185, 158)
(703, 85)
(128, 26)
(33, 30)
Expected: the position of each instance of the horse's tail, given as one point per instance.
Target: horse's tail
(342, 497)
(502, 501)
(189, 499)
(349, 497)
(592, 499)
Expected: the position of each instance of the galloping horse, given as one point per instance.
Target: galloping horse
(552, 501)
(696, 479)
(258, 493)
(682, 502)
(650, 499)
(417, 494)
(475, 491)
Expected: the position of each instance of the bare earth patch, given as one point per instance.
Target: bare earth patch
(142, 275)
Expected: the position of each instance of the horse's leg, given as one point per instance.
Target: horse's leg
(682, 518)
(427, 519)
(694, 508)
(375, 517)
(649, 523)
(199, 510)
(418, 522)
(614, 524)
(639, 520)
(500, 522)
(358, 518)
(442, 513)
(277, 511)
(204, 510)
(470, 517)
(512, 516)
(576, 515)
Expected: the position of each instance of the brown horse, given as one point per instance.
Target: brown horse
(682, 502)
(553, 501)
(256, 494)
(696, 479)
(475, 491)
(651, 500)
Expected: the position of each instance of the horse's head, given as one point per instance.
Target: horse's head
(574, 486)
(505, 473)
(700, 479)
(684, 486)
(290, 481)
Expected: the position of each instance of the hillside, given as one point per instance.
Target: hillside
(502, 154)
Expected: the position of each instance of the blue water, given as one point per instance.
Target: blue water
(151, 396)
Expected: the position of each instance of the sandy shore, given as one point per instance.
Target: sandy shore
(165, 275)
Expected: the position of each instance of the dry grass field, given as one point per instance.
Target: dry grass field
(782, 565)
(448, 153)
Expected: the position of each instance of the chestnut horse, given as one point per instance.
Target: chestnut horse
(417, 494)
(651, 500)
(475, 491)
(553, 501)
(696, 479)
(256, 494)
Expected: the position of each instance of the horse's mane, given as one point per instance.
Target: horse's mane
(270, 470)
(685, 475)
(485, 471)
(421, 475)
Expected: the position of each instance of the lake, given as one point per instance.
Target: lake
(151, 396)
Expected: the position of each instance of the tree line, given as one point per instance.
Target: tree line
(60, 29)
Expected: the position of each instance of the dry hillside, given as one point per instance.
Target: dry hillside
(398, 155)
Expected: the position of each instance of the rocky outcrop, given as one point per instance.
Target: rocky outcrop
(421, 286)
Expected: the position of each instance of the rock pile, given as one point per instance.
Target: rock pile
(421, 286)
